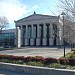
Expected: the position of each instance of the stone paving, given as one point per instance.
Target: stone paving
(32, 51)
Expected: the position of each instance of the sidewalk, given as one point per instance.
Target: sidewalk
(32, 51)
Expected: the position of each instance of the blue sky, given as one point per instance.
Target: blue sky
(17, 9)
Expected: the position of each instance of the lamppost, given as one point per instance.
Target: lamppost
(63, 32)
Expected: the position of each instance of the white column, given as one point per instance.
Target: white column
(21, 35)
(44, 30)
(57, 41)
(31, 39)
(26, 31)
(44, 39)
(51, 34)
(32, 31)
(38, 30)
(16, 42)
(51, 30)
(38, 35)
(26, 40)
(57, 38)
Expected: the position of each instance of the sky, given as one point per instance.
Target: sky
(17, 9)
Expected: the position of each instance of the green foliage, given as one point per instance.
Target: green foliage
(56, 65)
(35, 63)
(68, 62)
(69, 55)
(73, 49)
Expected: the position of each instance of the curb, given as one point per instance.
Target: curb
(33, 70)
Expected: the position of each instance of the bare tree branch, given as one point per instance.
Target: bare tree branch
(69, 28)
(3, 22)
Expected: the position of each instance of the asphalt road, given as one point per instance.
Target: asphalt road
(44, 51)
(2, 72)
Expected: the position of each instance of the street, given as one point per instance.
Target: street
(2, 72)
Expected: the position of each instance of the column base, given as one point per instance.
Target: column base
(44, 41)
(26, 42)
(31, 41)
(51, 41)
(37, 41)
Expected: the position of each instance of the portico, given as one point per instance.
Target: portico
(38, 30)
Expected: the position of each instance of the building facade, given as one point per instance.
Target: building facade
(8, 38)
(38, 30)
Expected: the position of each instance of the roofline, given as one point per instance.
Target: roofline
(35, 14)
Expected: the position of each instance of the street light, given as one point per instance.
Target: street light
(63, 32)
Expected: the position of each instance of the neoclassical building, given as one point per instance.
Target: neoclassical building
(38, 30)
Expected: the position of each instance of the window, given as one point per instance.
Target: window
(8, 39)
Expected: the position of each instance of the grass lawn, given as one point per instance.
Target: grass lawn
(70, 55)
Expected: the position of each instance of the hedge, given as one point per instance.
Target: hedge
(63, 61)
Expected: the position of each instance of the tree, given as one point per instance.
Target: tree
(69, 32)
(69, 24)
(69, 7)
(3, 22)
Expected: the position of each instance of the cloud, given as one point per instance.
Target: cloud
(12, 9)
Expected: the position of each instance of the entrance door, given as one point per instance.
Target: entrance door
(47, 33)
(29, 41)
(34, 41)
(41, 41)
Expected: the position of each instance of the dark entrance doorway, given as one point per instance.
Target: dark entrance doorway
(41, 42)
(34, 41)
(47, 33)
(29, 42)
(41, 34)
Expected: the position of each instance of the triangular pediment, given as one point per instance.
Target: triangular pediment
(35, 17)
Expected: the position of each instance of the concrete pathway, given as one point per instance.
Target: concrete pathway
(44, 51)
